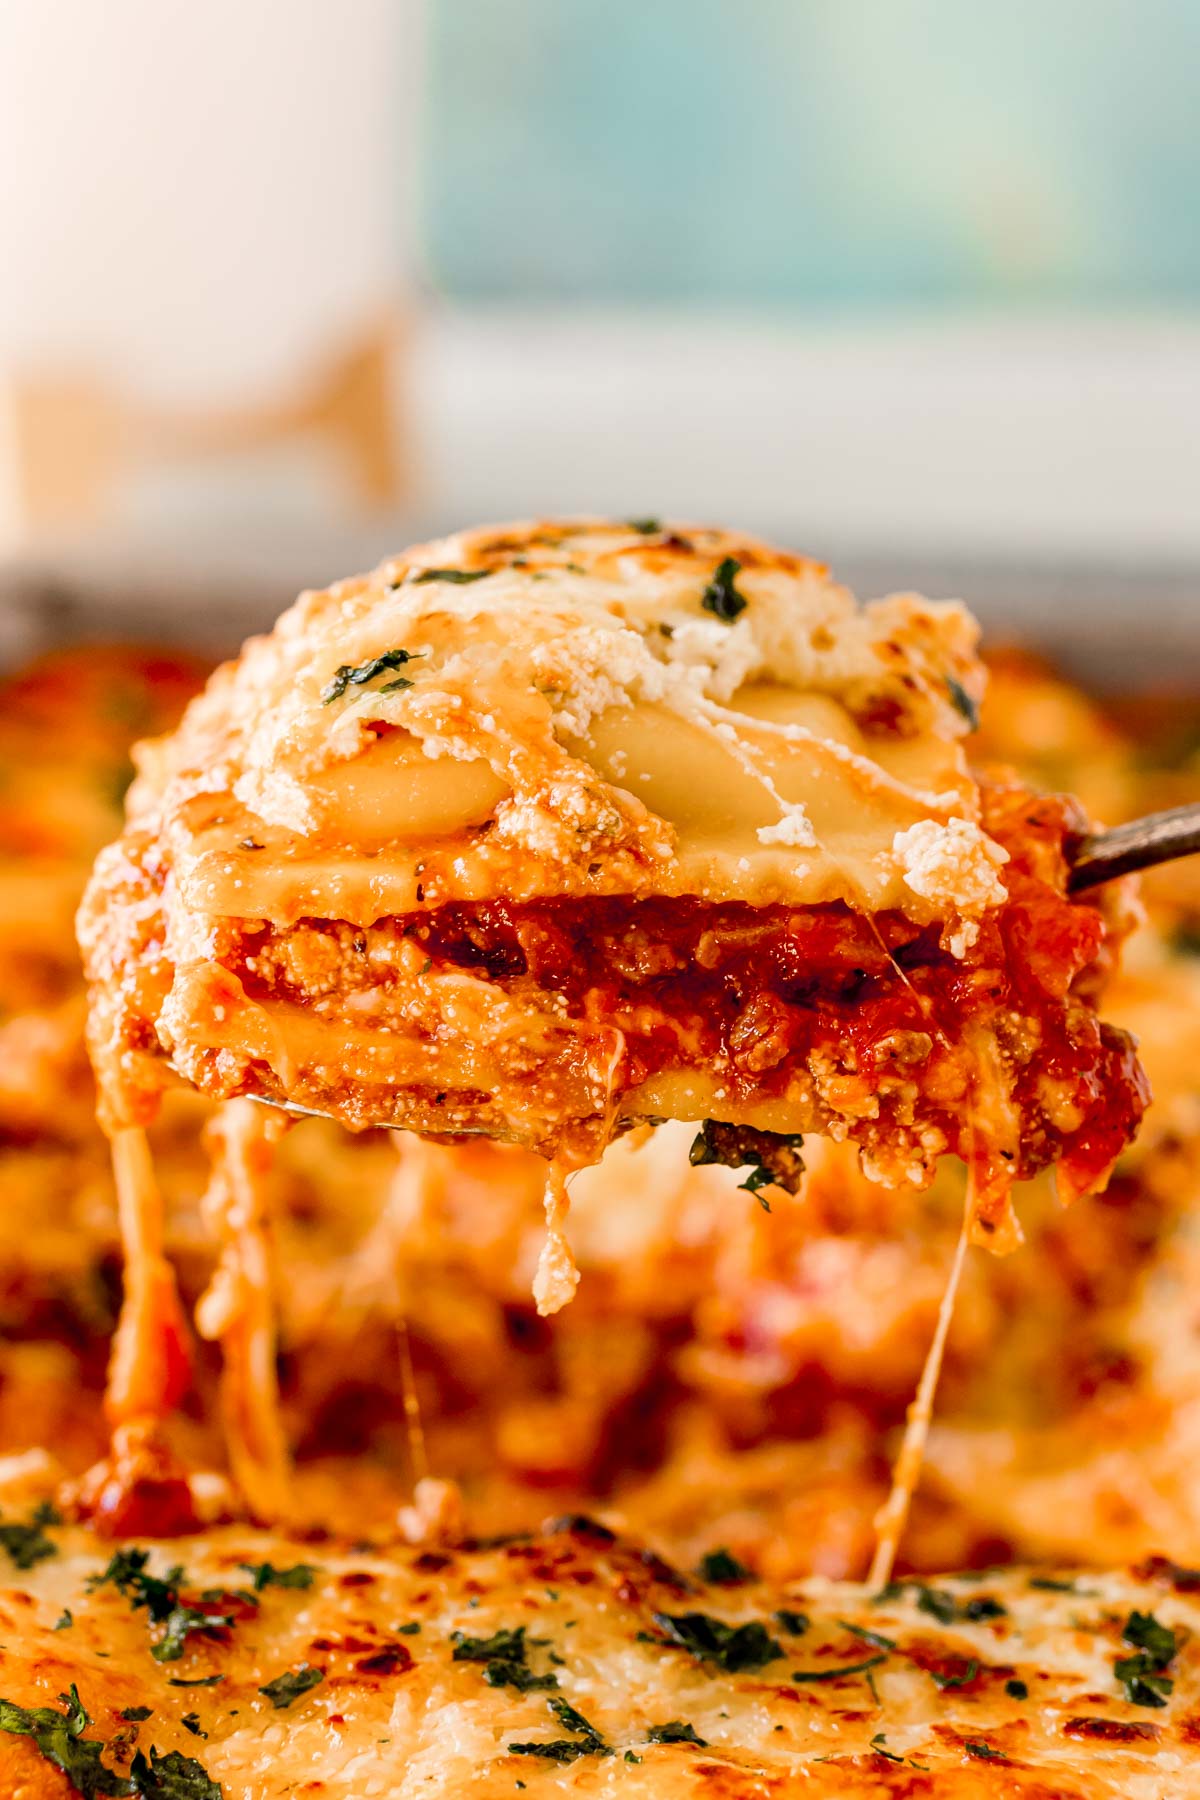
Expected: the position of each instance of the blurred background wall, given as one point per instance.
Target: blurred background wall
(915, 285)
(815, 154)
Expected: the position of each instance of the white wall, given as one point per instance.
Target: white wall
(200, 195)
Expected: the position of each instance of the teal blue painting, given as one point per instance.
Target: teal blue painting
(813, 152)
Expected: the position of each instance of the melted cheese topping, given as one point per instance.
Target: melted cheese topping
(238, 1308)
(375, 1679)
(552, 710)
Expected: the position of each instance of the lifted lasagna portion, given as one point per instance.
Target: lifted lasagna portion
(544, 830)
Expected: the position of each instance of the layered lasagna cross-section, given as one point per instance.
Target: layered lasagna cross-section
(545, 830)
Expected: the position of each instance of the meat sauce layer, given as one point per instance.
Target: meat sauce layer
(884, 1020)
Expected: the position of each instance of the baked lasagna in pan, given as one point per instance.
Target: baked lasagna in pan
(727, 1387)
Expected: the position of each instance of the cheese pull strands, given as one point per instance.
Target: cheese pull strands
(149, 1368)
(893, 1514)
(237, 1310)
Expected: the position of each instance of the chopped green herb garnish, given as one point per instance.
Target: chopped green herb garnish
(191, 1722)
(28, 1544)
(722, 1567)
(796, 1623)
(962, 702)
(983, 1751)
(159, 1595)
(562, 1750)
(774, 1157)
(409, 1630)
(126, 1571)
(517, 1675)
(59, 1737)
(194, 1681)
(265, 1574)
(1144, 1632)
(568, 1715)
(1143, 1683)
(171, 1777)
(963, 1678)
(647, 527)
(721, 596)
(1016, 1690)
(754, 1183)
(938, 1603)
(872, 1637)
(291, 1684)
(877, 1745)
(587, 1742)
(181, 1622)
(675, 1731)
(509, 1644)
(1052, 1585)
(459, 577)
(730, 1647)
(629, 1758)
(858, 1668)
(983, 1606)
(64, 1621)
(350, 675)
(506, 1656)
(134, 1715)
(1144, 1676)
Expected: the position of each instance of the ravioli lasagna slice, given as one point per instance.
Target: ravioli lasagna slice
(239, 1663)
(544, 830)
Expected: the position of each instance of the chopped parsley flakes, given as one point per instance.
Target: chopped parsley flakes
(291, 1684)
(794, 1623)
(872, 1637)
(858, 1668)
(60, 1740)
(984, 1751)
(721, 596)
(730, 1647)
(159, 1595)
(960, 1678)
(721, 1567)
(350, 675)
(265, 1574)
(458, 577)
(941, 1605)
(962, 702)
(1143, 1675)
(675, 1731)
(774, 1157)
(506, 1658)
(27, 1544)
(586, 1742)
